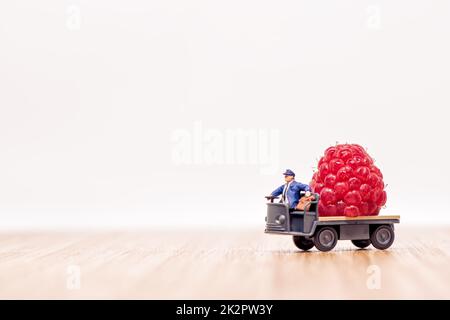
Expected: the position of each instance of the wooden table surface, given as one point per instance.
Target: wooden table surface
(214, 263)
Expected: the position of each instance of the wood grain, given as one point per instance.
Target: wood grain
(215, 263)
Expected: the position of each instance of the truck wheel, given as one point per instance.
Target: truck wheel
(382, 237)
(326, 239)
(361, 243)
(303, 243)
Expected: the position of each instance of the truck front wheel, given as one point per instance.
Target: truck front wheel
(303, 243)
(326, 239)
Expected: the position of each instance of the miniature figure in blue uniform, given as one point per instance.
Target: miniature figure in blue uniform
(290, 191)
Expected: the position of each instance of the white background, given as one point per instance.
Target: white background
(95, 94)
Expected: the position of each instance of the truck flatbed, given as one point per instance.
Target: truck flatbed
(341, 218)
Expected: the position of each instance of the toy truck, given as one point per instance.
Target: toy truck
(309, 230)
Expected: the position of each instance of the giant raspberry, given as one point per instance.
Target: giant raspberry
(348, 182)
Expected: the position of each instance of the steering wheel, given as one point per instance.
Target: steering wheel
(271, 198)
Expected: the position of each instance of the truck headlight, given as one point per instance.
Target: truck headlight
(280, 219)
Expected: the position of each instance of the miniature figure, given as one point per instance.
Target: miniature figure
(290, 191)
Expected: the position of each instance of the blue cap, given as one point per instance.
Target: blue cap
(289, 172)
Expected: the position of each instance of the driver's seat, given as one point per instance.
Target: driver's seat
(312, 207)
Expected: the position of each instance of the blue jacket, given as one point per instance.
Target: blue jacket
(293, 193)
